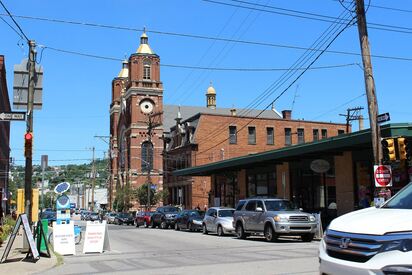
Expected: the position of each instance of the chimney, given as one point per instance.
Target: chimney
(233, 112)
(361, 127)
(287, 114)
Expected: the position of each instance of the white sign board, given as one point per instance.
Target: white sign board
(97, 237)
(63, 238)
(29, 236)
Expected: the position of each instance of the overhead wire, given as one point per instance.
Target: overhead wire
(318, 43)
(196, 36)
(290, 84)
(15, 22)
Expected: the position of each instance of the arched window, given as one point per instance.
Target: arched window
(146, 69)
(147, 156)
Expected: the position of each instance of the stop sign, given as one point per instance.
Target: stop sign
(383, 175)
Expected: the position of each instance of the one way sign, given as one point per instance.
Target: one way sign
(383, 118)
(13, 116)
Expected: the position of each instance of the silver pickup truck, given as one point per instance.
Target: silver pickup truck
(272, 217)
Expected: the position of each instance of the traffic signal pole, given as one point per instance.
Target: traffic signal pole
(369, 81)
(29, 129)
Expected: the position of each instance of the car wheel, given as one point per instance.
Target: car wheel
(270, 234)
(145, 224)
(307, 237)
(240, 233)
(152, 224)
(177, 227)
(204, 229)
(136, 223)
(220, 232)
(163, 225)
(189, 226)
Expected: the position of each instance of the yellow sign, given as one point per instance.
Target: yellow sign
(35, 201)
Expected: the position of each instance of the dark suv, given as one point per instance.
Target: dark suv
(164, 217)
(272, 217)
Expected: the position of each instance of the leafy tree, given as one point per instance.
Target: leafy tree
(141, 194)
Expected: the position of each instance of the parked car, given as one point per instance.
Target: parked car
(124, 218)
(375, 240)
(50, 216)
(109, 217)
(190, 220)
(164, 217)
(218, 220)
(143, 218)
(272, 217)
(84, 216)
(93, 216)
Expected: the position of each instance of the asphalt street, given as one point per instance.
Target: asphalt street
(156, 251)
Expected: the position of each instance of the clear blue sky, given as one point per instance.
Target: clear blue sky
(77, 90)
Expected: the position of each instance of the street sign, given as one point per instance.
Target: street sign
(21, 85)
(383, 118)
(13, 116)
(382, 175)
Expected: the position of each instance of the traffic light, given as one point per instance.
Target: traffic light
(402, 144)
(388, 149)
(28, 144)
(408, 149)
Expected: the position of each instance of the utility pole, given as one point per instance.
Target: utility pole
(93, 179)
(28, 192)
(369, 81)
(151, 124)
(352, 114)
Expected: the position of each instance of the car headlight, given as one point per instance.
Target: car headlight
(312, 218)
(197, 222)
(278, 218)
(401, 245)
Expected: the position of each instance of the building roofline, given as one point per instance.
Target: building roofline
(360, 139)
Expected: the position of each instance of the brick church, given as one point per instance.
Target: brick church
(194, 136)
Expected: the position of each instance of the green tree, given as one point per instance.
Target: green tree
(141, 194)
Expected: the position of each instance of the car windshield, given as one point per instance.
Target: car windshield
(124, 215)
(279, 205)
(197, 214)
(402, 200)
(170, 210)
(226, 213)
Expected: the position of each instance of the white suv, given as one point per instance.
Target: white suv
(372, 240)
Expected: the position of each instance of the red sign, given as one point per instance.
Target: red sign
(383, 175)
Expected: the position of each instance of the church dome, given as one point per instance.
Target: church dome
(124, 72)
(144, 47)
(211, 90)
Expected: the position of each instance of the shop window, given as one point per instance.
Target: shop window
(270, 137)
(341, 132)
(315, 134)
(232, 135)
(324, 133)
(261, 184)
(251, 135)
(288, 136)
(301, 136)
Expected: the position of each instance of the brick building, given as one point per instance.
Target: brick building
(187, 136)
(4, 136)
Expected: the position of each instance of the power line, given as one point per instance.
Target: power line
(203, 37)
(337, 107)
(290, 85)
(318, 43)
(18, 26)
(381, 7)
(319, 17)
(200, 67)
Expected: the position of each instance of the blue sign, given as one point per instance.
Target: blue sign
(72, 205)
(62, 202)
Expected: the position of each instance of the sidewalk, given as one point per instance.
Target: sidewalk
(16, 265)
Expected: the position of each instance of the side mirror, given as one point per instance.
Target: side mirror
(259, 209)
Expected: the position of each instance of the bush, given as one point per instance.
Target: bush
(6, 228)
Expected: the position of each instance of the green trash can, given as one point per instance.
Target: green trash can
(45, 226)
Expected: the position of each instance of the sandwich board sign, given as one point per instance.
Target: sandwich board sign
(33, 253)
(63, 238)
(97, 237)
